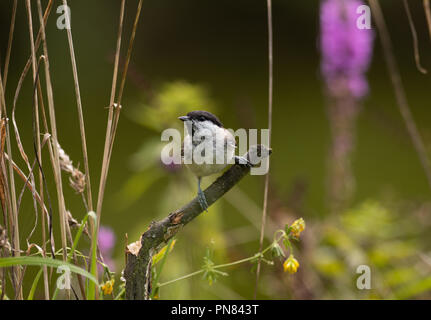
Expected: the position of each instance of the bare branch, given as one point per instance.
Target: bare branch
(139, 254)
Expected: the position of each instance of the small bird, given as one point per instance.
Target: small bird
(205, 131)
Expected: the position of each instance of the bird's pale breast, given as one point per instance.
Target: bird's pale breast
(216, 139)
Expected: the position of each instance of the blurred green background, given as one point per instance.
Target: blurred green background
(193, 54)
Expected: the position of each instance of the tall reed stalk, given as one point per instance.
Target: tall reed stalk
(46, 122)
(270, 94)
(9, 194)
(115, 105)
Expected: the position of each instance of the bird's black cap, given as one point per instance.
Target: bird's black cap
(201, 115)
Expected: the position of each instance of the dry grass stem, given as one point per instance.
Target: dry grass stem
(55, 160)
(399, 89)
(11, 196)
(427, 8)
(115, 108)
(80, 115)
(270, 90)
(9, 45)
(415, 38)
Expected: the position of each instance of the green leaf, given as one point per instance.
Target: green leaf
(165, 254)
(159, 255)
(40, 261)
(287, 244)
(75, 244)
(78, 236)
(34, 285)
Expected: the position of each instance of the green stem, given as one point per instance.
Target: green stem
(91, 294)
(120, 294)
(220, 265)
(181, 278)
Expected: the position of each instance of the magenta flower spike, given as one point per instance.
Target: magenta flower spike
(346, 50)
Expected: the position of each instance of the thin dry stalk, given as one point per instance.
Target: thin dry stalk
(117, 54)
(3, 197)
(105, 164)
(41, 184)
(123, 79)
(114, 108)
(27, 183)
(270, 94)
(21, 149)
(55, 161)
(41, 179)
(108, 136)
(9, 44)
(38, 40)
(399, 88)
(55, 148)
(427, 8)
(3, 185)
(80, 115)
(11, 198)
(51, 153)
(37, 138)
(129, 52)
(415, 38)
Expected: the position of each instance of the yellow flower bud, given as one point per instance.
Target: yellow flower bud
(291, 265)
(297, 227)
(108, 286)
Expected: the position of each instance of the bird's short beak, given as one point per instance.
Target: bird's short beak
(184, 118)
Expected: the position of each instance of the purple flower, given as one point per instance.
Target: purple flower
(106, 240)
(346, 49)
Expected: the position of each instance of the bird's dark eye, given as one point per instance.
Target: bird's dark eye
(202, 118)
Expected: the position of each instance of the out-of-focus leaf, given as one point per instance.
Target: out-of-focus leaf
(414, 289)
(370, 219)
(389, 252)
(136, 186)
(337, 238)
(327, 262)
(172, 100)
(399, 276)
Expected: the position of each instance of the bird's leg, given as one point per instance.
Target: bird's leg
(243, 161)
(201, 196)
